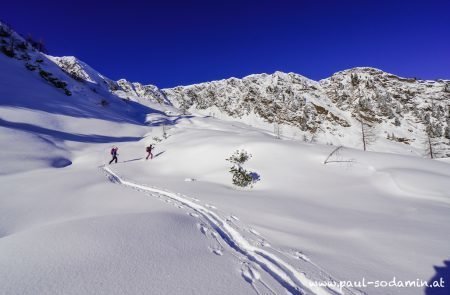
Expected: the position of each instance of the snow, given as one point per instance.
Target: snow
(134, 253)
(87, 73)
(71, 224)
(277, 268)
(363, 218)
(398, 110)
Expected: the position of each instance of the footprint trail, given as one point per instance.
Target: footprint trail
(287, 275)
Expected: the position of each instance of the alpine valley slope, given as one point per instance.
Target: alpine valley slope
(403, 115)
(64, 228)
(397, 109)
(71, 225)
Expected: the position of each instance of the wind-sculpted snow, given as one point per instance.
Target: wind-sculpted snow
(295, 281)
(363, 215)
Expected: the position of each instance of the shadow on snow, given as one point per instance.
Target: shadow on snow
(88, 138)
(442, 274)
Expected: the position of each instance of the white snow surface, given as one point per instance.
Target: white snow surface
(72, 224)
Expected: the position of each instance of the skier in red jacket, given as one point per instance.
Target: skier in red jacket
(114, 154)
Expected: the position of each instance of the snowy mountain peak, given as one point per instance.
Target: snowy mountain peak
(136, 89)
(402, 110)
(79, 70)
(83, 73)
(370, 70)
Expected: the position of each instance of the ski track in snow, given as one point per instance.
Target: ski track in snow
(293, 280)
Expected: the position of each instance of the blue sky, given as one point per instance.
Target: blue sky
(169, 43)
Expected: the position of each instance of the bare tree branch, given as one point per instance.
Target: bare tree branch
(335, 153)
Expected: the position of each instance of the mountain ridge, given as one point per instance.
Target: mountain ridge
(403, 110)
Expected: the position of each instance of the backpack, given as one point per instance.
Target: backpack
(149, 148)
(113, 151)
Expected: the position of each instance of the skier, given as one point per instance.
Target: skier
(114, 154)
(149, 151)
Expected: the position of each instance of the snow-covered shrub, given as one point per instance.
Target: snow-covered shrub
(30, 67)
(5, 32)
(37, 45)
(7, 51)
(239, 157)
(447, 132)
(55, 81)
(22, 46)
(240, 176)
(164, 129)
(354, 79)
(447, 88)
(336, 156)
(104, 103)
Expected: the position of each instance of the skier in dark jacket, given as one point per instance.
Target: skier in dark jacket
(149, 150)
(114, 154)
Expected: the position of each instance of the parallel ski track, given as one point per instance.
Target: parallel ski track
(290, 278)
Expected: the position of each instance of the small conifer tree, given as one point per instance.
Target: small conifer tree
(240, 176)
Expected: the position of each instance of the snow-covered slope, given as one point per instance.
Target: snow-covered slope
(408, 110)
(83, 73)
(65, 229)
(399, 110)
(405, 115)
(71, 224)
(42, 103)
(150, 92)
